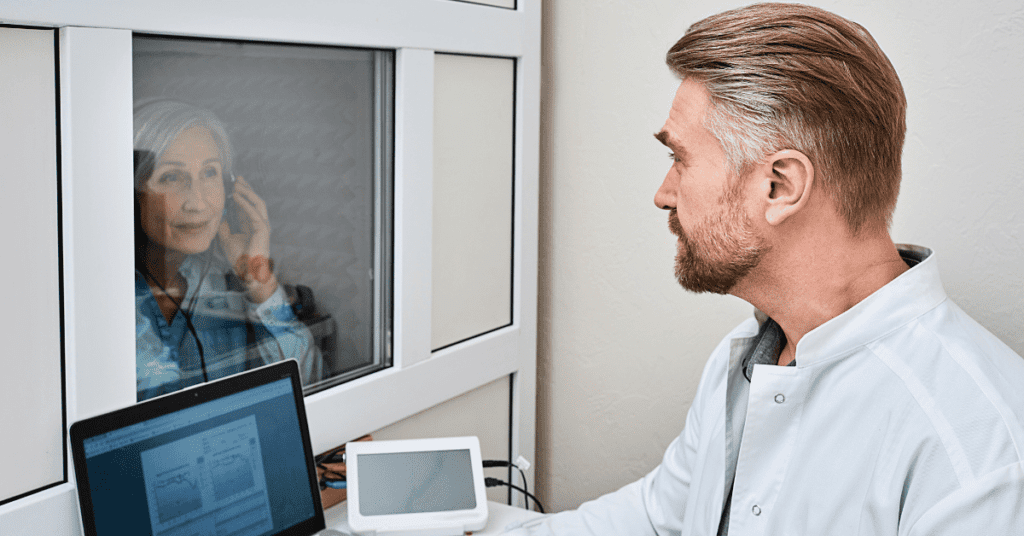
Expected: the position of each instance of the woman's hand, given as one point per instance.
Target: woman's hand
(249, 251)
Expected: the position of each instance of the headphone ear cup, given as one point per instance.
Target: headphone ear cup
(230, 211)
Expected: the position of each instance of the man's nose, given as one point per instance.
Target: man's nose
(664, 198)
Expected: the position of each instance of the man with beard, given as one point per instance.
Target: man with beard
(860, 399)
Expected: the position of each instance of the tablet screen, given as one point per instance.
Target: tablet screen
(415, 482)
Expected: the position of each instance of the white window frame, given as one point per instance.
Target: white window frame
(96, 130)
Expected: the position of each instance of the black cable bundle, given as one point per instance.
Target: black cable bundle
(493, 482)
(331, 478)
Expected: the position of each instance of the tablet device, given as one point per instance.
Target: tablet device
(425, 487)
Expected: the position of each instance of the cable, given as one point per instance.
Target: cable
(188, 318)
(184, 313)
(335, 456)
(503, 463)
(492, 482)
(526, 488)
(330, 478)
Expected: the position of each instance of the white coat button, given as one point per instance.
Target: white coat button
(780, 398)
(756, 510)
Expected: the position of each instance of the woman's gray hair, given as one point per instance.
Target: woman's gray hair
(158, 123)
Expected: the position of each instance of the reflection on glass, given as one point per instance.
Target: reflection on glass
(261, 211)
(208, 303)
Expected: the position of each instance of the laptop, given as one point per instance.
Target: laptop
(229, 458)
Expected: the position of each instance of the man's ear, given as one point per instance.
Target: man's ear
(788, 179)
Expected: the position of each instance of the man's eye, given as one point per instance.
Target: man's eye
(674, 157)
(211, 172)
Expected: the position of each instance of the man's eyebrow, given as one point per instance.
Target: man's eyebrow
(662, 136)
(679, 150)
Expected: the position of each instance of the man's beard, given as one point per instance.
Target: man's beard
(722, 250)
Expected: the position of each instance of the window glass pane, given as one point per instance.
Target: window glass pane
(262, 190)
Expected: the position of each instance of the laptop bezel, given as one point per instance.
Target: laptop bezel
(186, 398)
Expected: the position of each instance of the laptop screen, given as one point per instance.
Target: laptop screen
(226, 458)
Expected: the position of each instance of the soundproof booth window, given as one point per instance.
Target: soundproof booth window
(262, 187)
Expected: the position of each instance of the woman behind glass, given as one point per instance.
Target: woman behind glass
(207, 302)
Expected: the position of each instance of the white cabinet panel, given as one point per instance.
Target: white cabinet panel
(482, 412)
(472, 218)
(31, 395)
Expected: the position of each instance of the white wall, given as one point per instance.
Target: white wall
(620, 346)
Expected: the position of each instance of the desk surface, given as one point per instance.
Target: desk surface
(499, 516)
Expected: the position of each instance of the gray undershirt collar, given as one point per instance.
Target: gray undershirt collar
(770, 340)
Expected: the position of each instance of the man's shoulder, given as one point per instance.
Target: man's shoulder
(964, 381)
(947, 332)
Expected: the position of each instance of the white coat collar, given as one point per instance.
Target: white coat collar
(912, 294)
